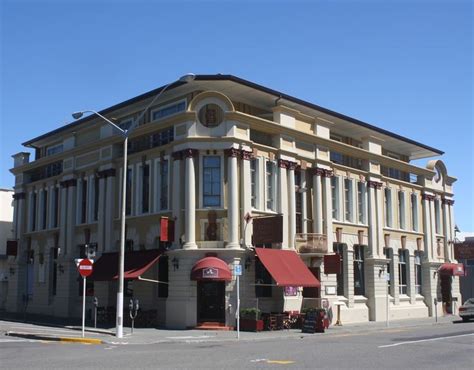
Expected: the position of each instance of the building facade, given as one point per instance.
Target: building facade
(6, 233)
(218, 167)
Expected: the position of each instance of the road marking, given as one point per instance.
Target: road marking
(13, 340)
(280, 362)
(259, 360)
(190, 337)
(425, 340)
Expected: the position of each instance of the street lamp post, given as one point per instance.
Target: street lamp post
(126, 133)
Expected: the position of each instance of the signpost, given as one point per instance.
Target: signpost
(85, 269)
(237, 273)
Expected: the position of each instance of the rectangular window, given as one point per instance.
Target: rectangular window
(418, 281)
(388, 255)
(334, 156)
(339, 249)
(335, 197)
(211, 181)
(54, 149)
(33, 211)
(96, 198)
(402, 271)
(388, 207)
(348, 202)
(253, 181)
(44, 216)
(164, 176)
(168, 110)
(162, 138)
(437, 216)
(145, 177)
(125, 124)
(359, 282)
(361, 191)
(401, 209)
(270, 185)
(55, 206)
(83, 217)
(392, 172)
(128, 202)
(414, 212)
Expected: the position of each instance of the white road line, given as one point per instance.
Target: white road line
(425, 340)
(190, 337)
(14, 340)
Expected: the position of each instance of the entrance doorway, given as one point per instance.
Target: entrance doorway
(446, 293)
(211, 301)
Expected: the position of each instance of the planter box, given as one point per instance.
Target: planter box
(251, 325)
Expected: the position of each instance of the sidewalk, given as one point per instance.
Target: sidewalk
(143, 336)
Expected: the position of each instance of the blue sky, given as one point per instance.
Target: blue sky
(405, 66)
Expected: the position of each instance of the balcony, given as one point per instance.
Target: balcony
(311, 243)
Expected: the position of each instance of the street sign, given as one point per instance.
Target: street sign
(237, 270)
(387, 276)
(85, 267)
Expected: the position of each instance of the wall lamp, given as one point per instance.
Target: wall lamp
(248, 262)
(175, 263)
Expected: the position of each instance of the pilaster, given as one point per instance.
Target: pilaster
(283, 200)
(176, 200)
(291, 204)
(233, 198)
(190, 199)
(246, 197)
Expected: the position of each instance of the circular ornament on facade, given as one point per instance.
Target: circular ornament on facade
(211, 115)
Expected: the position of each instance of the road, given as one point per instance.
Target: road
(447, 346)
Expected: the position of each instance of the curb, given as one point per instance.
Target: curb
(55, 339)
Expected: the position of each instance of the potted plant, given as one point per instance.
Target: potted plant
(250, 319)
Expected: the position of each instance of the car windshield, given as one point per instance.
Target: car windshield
(469, 301)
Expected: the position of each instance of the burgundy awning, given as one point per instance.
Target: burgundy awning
(451, 269)
(287, 268)
(211, 268)
(135, 264)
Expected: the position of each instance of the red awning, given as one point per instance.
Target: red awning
(135, 264)
(287, 268)
(211, 268)
(451, 269)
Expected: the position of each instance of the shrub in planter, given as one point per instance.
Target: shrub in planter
(251, 313)
(250, 319)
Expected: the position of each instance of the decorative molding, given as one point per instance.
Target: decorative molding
(428, 197)
(18, 196)
(403, 240)
(283, 163)
(245, 155)
(68, 183)
(232, 152)
(291, 165)
(374, 184)
(106, 173)
(328, 173)
(177, 156)
(449, 202)
(419, 244)
(190, 153)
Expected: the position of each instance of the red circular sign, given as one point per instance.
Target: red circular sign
(85, 267)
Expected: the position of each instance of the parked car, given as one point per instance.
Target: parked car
(466, 311)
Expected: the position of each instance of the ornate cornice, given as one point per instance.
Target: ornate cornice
(190, 153)
(428, 197)
(106, 173)
(68, 183)
(328, 173)
(232, 152)
(449, 202)
(18, 196)
(374, 184)
(316, 171)
(292, 165)
(245, 155)
(283, 163)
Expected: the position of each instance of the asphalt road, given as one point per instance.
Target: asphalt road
(448, 346)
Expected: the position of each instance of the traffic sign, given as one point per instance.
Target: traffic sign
(85, 267)
(237, 270)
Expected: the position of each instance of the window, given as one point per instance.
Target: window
(33, 211)
(388, 207)
(260, 137)
(401, 209)
(334, 156)
(162, 138)
(402, 271)
(163, 277)
(211, 181)
(335, 197)
(418, 280)
(83, 209)
(145, 183)
(414, 212)
(44, 205)
(299, 202)
(253, 181)
(392, 172)
(359, 284)
(437, 216)
(164, 176)
(55, 209)
(54, 149)
(361, 191)
(168, 110)
(270, 185)
(339, 249)
(128, 201)
(211, 115)
(125, 124)
(348, 199)
(263, 280)
(388, 255)
(96, 198)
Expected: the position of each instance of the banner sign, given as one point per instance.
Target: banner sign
(166, 229)
(267, 230)
(210, 273)
(332, 264)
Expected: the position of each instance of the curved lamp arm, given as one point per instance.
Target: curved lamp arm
(77, 115)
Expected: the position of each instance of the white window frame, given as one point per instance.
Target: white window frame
(162, 107)
(274, 185)
(335, 197)
(201, 179)
(257, 183)
(437, 216)
(54, 149)
(403, 265)
(120, 194)
(401, 209)
(348, 200)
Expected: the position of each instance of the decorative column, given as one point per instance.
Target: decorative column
(291, 203)
(176, 198)
(448, 229)
(71, 216)
(63, 216)
(317, 200)
(327, 207)
(427, 225)
(246, 196)
(233, 198)
(18, 215)
(282, 195)
(304, 205)
(190, 199)
(106, 214)
(374, 211)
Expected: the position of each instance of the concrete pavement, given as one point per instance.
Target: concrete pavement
(142, 336)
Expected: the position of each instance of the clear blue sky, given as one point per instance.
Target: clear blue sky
(405, 66)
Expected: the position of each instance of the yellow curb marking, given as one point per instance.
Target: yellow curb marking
(81, 340)
(280, 362)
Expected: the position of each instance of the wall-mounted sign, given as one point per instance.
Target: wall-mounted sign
(166, 229)
(291, 291)
(331, 290)
(210, 273)
(267, 230)
(332, 264)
